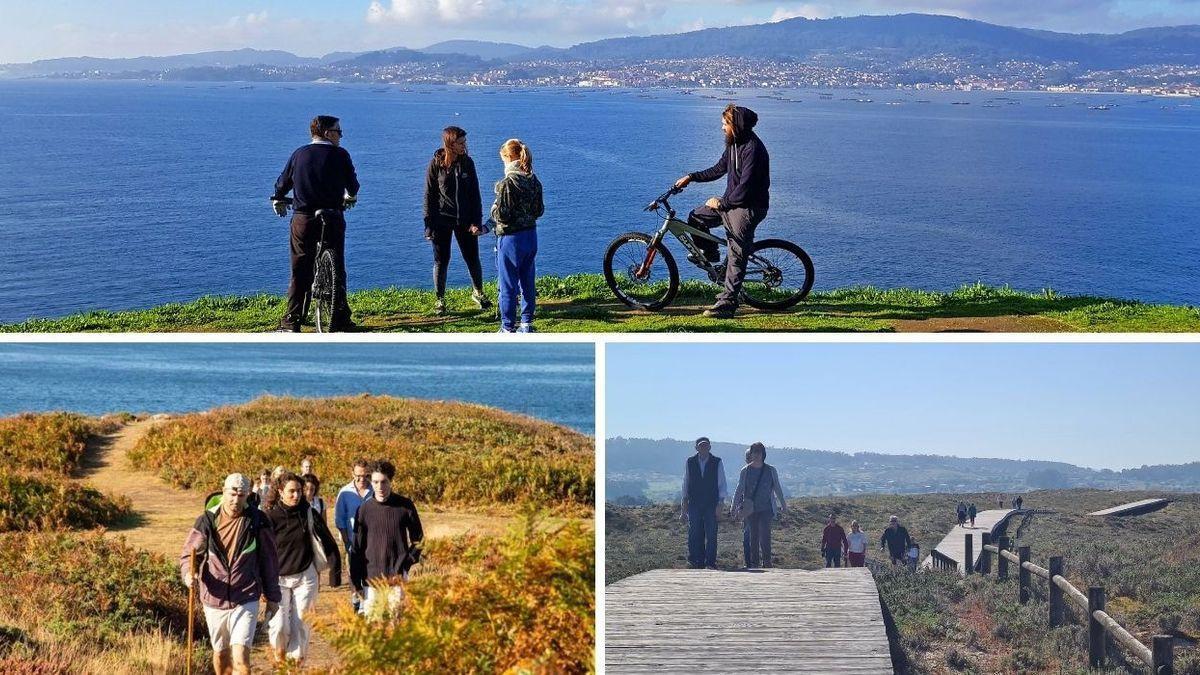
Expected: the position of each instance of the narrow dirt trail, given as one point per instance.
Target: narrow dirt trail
(163, 515)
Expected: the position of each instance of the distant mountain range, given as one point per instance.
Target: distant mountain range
(881, 40)
(639, 469)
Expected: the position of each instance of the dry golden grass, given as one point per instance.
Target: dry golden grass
(453, 454)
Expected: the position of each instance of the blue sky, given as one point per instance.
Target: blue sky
(1095, 405)
(141, 27)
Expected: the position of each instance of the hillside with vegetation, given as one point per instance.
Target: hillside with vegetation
(640, 471)
(90, 580)
(945, 623)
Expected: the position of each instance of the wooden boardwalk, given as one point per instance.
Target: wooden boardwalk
(776, 620)
(955, 542)
(1133, 508)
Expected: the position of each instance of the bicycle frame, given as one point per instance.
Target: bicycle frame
(674, 226)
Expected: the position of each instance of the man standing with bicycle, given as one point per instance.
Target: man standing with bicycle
(320, 175)
(747, 168)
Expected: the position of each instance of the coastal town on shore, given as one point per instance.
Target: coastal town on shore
(931, 73)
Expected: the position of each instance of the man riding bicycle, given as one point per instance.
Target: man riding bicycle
(747, 167)
(320, 176)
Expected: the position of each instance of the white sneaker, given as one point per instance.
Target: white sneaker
(525, 328)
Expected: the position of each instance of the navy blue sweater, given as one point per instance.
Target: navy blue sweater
(319, 175)
(745, 164)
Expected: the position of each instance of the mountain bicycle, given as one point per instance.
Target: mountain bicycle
(642, 273)
(328, 290)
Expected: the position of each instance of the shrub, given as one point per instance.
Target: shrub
(30, 503)
(521, 603)
(445, 453)
(69, 584)
(50, 442)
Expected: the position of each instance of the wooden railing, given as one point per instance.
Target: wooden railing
(941, 561)
(1159, 656)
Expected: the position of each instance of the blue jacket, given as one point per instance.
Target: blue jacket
(319, 175)
(346, 507)
(745, 164)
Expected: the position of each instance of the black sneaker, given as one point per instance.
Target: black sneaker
(288, 328)
(481, 300)
(720, 312)
(347, 327)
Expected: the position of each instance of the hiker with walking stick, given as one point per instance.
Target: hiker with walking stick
(234, 546)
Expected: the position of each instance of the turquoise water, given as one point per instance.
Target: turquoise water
(554, 382)
(127, 195)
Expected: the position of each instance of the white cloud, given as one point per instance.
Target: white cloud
(517, 19)
(808, 11)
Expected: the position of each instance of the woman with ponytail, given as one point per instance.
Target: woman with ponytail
(516, 210)
(453, 209)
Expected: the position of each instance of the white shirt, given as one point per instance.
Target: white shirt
(703, 461)
(858, 542)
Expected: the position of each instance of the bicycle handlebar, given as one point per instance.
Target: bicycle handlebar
(664, 199)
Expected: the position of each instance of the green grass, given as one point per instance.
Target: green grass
(583, 303)
(946, 623)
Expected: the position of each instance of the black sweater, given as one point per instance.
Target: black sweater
(293, 540)
(384, 537)
(319, 175)
(452, 195)
(745, 164)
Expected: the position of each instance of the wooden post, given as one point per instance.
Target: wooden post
(1022, 573)
(1001, 561)
(1056, 594)
(1095, 628)
(191, 607)
(1164, 655)
(969, 563)
(985, 556)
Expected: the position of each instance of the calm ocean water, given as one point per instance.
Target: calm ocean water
(126, 195)
(554, 382)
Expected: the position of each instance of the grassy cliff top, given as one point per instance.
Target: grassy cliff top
(445, 453)
(582, 303)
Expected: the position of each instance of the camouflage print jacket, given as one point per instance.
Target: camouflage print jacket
(518, 203)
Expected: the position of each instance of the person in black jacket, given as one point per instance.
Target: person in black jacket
(298, 529)
(896, 540)
(320, 175)
(453, 208)
(747, 168)
(387, 541)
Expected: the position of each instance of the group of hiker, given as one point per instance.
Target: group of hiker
(756, 501)
(966, 512)
(321, 177)
(270, 542)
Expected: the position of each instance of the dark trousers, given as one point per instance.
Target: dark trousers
(739, 229)
(756, 539)
(833, 557)
(516, 274)
(306, 232)
(702, 535)
(468, 245)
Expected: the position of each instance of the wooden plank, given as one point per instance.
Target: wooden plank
(1133, 508)
(954, 543)
(775, 620)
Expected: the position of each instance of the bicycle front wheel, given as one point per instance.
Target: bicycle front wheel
(325, 291)
(640, 276)
(778, 275)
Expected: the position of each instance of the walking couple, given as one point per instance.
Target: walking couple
(754, 503)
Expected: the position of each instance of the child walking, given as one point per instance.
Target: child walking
(516, 210)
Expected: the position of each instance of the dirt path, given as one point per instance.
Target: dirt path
(163, 515)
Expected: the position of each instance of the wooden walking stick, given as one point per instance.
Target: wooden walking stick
(191, 609)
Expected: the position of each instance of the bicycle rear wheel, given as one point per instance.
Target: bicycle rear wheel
(778, 275)
(641, 277)
(325, 291)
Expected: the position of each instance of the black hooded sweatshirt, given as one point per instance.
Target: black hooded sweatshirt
(746, 165)
(293, 539)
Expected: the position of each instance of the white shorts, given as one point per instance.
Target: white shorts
(228, 627)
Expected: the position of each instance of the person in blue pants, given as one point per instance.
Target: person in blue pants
(516, 210)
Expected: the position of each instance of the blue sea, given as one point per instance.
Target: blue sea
(121, 195)
(553, 382)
